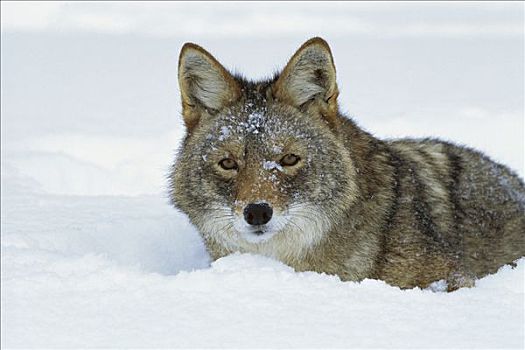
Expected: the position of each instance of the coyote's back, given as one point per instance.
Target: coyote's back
(273, 168)
(459, 215)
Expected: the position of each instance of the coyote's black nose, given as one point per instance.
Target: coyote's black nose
(258, 214)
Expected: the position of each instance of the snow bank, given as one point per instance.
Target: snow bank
(131, 272)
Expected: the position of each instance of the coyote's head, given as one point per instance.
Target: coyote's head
(263, 167)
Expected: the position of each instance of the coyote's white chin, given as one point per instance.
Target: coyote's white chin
(289, 234)
(260, 233)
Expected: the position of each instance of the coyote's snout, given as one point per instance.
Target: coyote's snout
(273, 168)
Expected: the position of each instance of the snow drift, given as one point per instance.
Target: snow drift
(131, 272)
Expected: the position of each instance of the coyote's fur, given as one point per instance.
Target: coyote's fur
(274, 168)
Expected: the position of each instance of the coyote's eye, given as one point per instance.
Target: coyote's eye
(289, 160)
(228, 164)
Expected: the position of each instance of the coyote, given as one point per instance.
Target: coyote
(274, 168)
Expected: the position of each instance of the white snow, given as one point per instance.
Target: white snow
(81, 271)
(94, 256)
(439, 286)
(224, 133)
(270, 165)
(102, 272)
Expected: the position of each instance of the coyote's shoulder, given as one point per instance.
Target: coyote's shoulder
(274, 168)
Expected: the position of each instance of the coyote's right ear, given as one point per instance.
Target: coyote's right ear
(205, 85)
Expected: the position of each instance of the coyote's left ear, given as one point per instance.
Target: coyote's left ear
(309, 76)
(205, 85)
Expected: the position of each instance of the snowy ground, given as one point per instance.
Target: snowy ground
(102, 272)
(92, 254)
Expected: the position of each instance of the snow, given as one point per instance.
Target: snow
(270, 165)
(224, 133)
(102, 272)
(438, 286)
(80, 271)
(94, 256)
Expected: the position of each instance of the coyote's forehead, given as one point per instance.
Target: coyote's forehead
(266, 129)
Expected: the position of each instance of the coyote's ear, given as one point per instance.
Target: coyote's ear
(309, 76)
(205, 85)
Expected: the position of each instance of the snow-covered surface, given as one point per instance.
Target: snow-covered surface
(93, 255)
(102, 272)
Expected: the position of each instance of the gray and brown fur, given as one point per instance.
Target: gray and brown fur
(409, 212)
